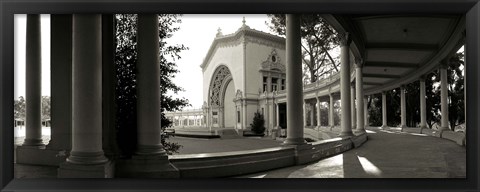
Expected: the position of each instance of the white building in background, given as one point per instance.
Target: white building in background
(241, 73)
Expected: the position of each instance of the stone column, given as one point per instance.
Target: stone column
(312, 114)
(361, 109)
(331, 121)
(150, 159)
(277, 115)
(61, 83)
(244, 117)
(87, 158)
(365, 111)
(33, 89)
(305, 113)
(444, 96)
(109, 81)
(269, 84)
(353, 109)
(346, 121)
(148, 84)
(423, 106)
(384, 109)
(319, 113)
(295, 116)
(403, 110)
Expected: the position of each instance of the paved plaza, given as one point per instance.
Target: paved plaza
(387, 154)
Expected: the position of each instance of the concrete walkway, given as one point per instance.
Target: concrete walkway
(387, 154)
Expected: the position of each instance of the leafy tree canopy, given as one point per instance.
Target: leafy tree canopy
(318, 41)
(125, 61)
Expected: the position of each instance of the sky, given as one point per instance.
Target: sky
(19, 51)
(196, 32)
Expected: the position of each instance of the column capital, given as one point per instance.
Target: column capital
(384, 92)
(359, 62)
(444, 64)
(344, 38)
(422, 78)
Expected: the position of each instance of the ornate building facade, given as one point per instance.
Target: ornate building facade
(241, 74)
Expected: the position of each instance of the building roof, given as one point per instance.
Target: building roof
(239, 37)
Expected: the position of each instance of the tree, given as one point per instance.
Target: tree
(318, 40)
(45, 108)
(19, 108)
(456, 107)
(375, 110)
(258, 124)
(125, 61)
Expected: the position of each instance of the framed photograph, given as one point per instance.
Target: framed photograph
(253, 95)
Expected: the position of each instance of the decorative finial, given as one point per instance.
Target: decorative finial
(244, 25)
(219, 32)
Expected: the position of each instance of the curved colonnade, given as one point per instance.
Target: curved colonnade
(92, 40)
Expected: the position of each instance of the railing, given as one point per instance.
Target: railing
(318, 84)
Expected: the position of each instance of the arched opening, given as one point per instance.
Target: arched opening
(229, 105)
(221, 96)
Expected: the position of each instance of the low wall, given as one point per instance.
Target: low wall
(457, 137)
(226, 164)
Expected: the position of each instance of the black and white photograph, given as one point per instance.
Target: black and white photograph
(239, 96)
(263, 95)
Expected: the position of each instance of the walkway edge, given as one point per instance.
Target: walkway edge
(227, 164)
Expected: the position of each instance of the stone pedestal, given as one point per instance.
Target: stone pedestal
(71, 170)
(146, 167)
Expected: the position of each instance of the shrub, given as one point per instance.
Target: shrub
(258, 124)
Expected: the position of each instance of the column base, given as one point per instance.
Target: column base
(146, 166)
(39, 156)
(331, 127)
(294, 141)
(360, 131)
(402, 127)
(72, 170)
(384, 127)
(33, 143)
(441, 130)
(303, 153)
(421, 128)
(346, 134)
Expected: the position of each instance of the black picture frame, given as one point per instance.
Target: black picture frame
(10, 7)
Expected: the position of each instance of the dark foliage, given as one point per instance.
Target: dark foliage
(125, 61)
(258, 124)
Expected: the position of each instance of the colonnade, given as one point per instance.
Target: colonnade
(85, 54)
(190, 118)
(354, 103)
(86, 94)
